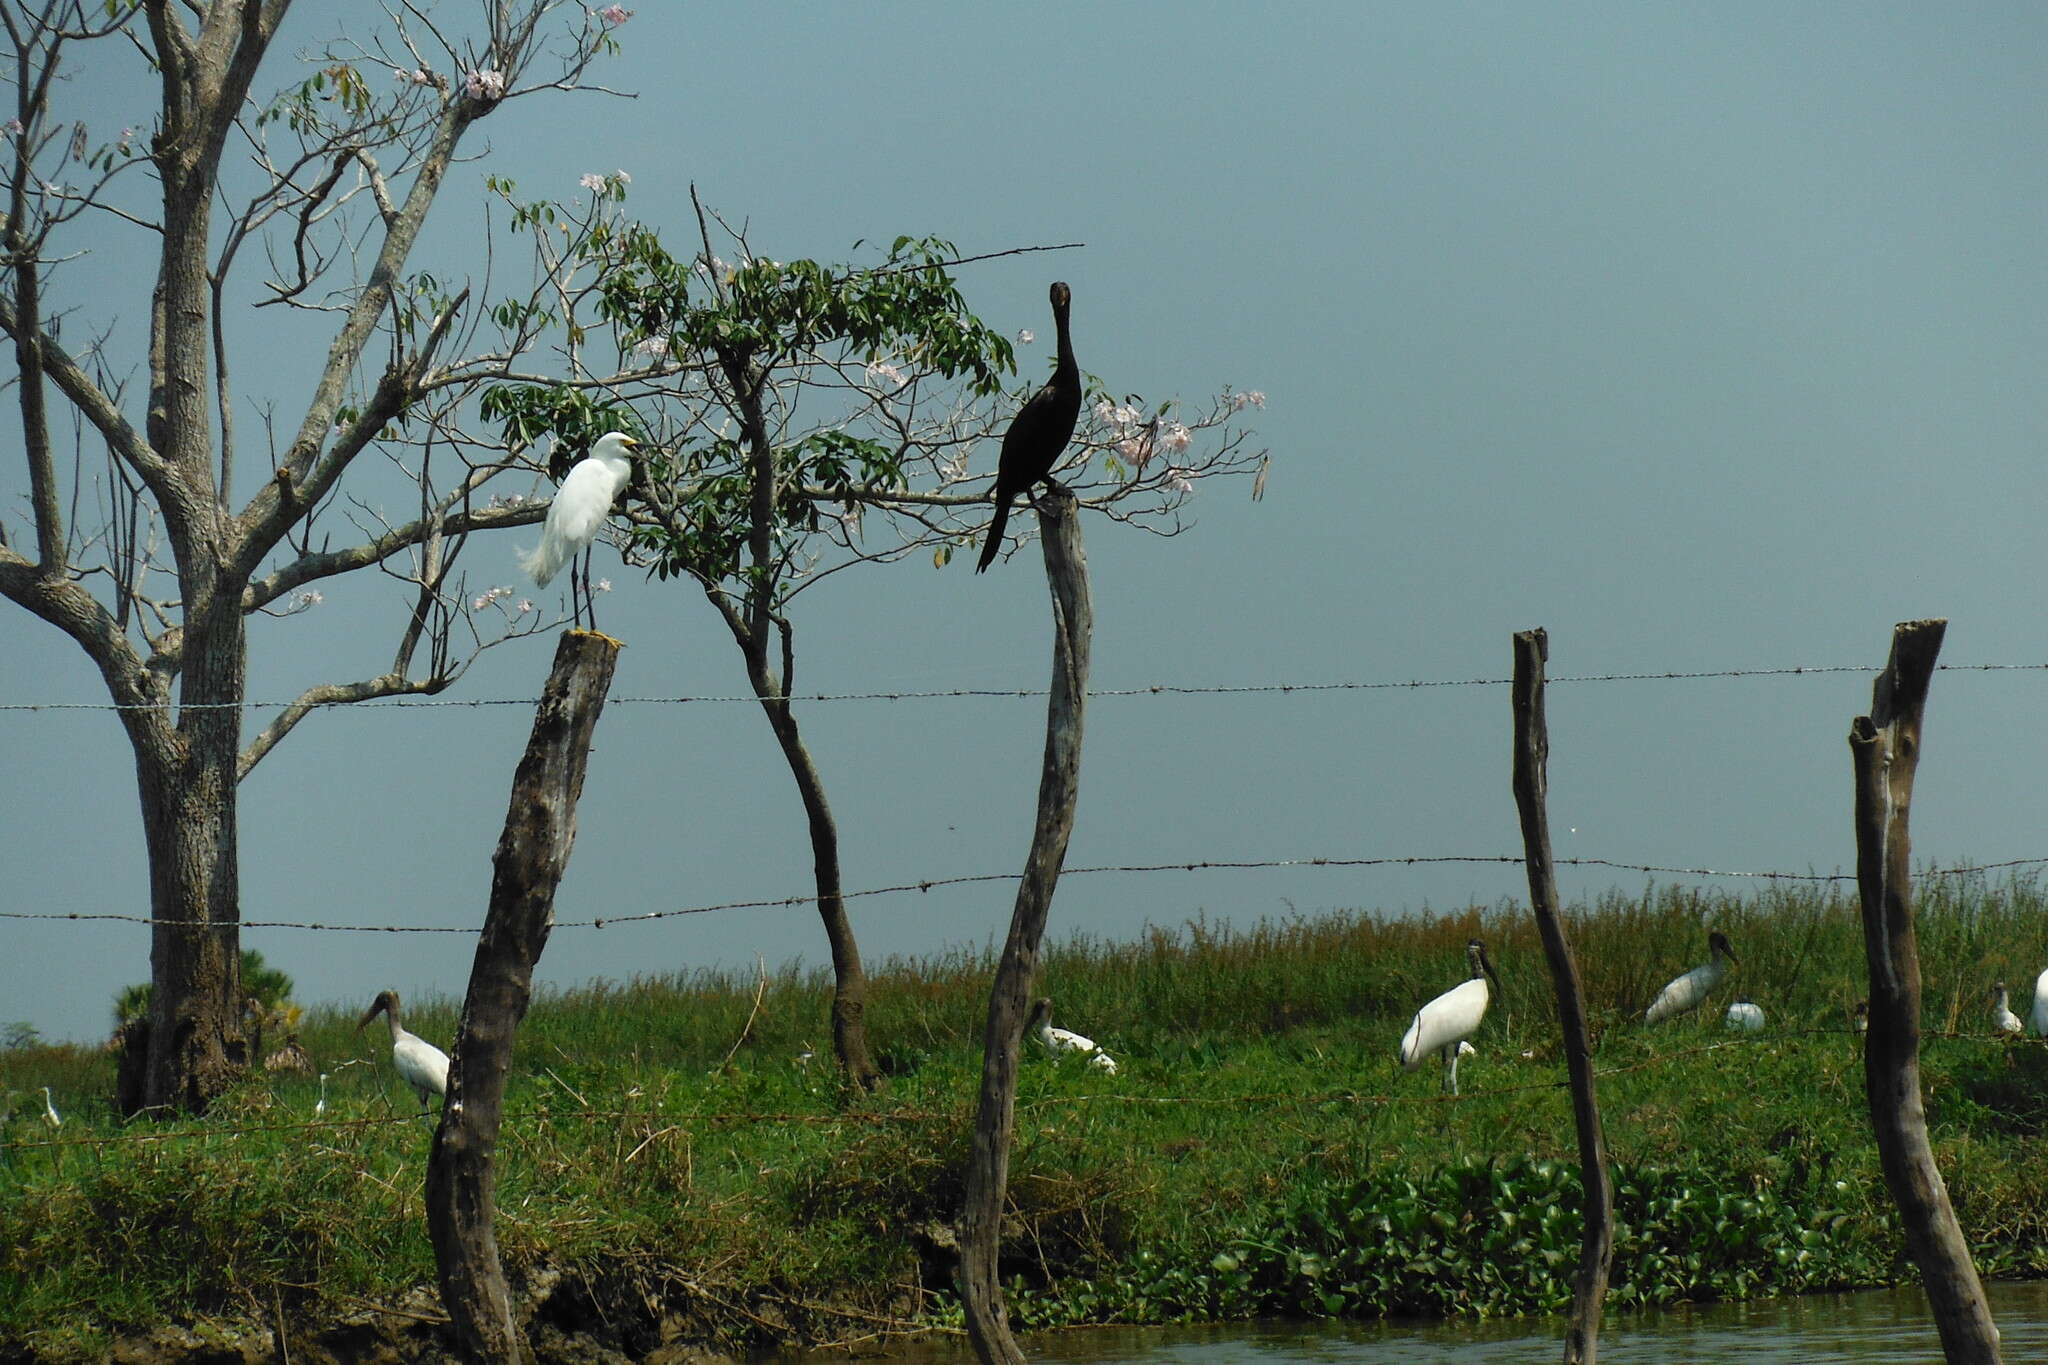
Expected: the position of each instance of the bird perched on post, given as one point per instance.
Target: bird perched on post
(1689, 991)
(1058, 1040)
(578, 513)
(2002, 1017)
(424, 1066)
(1442, 1026)
(1038, 433)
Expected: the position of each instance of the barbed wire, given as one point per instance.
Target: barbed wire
(967, 879)
(1025, 693)
(964, 1110)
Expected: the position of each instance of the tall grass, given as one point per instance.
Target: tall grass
(663, 1138)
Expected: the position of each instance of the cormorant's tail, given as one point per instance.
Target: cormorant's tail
(994, 544)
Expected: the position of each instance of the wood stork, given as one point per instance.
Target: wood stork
(578, 513)
(1059, 1040)
(2041, 1005)
(1442, 1026)
(50, 1114)
(2002, 1017)
(1689, 991)
(1745, 1017)
(424, 1066)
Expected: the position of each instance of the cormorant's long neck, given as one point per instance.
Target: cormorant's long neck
(1068, 369)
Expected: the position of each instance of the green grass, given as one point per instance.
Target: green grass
(1259, 1152)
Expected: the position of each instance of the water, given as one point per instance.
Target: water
(1824, 1329)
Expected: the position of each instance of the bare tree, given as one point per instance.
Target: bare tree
(144, 547)
(807, 419)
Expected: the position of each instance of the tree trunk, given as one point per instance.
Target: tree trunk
(1885, 749)
(196, 1046)
(849, 980)
(988, 1171)
(533, 852)
(1532, 760)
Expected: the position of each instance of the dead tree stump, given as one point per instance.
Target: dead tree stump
(533, 852)
(1532, 760)
(1885, 749)
(988, 1171)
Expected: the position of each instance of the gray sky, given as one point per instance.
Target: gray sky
(1708, 337)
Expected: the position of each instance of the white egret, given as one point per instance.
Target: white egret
(1058, 1040)
(50, 1114)
(1442, 1026)
(578, 513)
(320, 1105)
(2041, 1005)
(2002, 1017)
(1745, 1017)
(424, 1066)
(1689, 991)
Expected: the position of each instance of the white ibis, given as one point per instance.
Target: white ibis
(1442, 1026)
(2002, 1017)
(1060, 1040)
(1689, 991)
(578, 513)
(424, 1066)
(50, 1114)
(1745, 1017)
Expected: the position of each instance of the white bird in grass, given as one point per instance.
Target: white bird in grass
(424, 1066)
(2041, 1005)
(1859, 1017)
(1690, 991)
(1745, 1017)
(320, 1105)
(2002, 1017)
(50, 1114)
(578, 513)
(1058, 1040)
(1442, 1026)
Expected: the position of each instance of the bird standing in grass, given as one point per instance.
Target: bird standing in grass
(2002, 1017)
(1745, 1017)
(578, 513)
(1691, 990)
(320, 1105)
(1038, 433)
(1442, 1026)
(1059, 1040)
(50, 1114)
(424, 1066)
(2040, 1010)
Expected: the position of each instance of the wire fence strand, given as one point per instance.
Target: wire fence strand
(936, 883)
(1026, 693)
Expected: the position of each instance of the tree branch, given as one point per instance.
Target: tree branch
(334, 694)
(309, 568)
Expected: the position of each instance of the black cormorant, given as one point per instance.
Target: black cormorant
(1039, 432)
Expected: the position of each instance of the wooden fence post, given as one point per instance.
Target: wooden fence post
(988, 1170)
(532, 853)
(1885, 749)
(1532, 759)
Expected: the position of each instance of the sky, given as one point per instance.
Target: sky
(1709, 338)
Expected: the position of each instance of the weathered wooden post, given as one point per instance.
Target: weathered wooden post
(532, 854)
(1885, 749)
(1532, 759)
(988, 1170)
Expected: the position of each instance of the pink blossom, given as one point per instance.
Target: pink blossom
(418, 76)
(592, 181)
(625, 179)
(524, 605)
(1178, 481)
(485, 85)
(604, 585)
(655, 348)
(1025, 336)
(1175, 437)
(882, 371)
(615, 14)
(14, 128)
(1255, 398)
(1136, 449)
